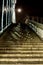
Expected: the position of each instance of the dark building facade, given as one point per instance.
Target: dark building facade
(7, 13)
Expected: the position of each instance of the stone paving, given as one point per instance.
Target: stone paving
(21, 47)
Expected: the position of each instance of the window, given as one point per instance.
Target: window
(5, 3)
(4, 20)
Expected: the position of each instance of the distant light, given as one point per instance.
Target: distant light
(19, 10)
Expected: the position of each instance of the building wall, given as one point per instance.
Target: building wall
(7, 14)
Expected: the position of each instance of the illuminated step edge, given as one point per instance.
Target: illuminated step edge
(21, 55)
(14, 36)
(21, 52)
(21, 64)
(36, 56)
(22, 49)
(17, 34)
(20, 60)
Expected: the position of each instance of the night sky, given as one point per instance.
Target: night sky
(31, 7)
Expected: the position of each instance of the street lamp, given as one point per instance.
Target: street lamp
(19, 10)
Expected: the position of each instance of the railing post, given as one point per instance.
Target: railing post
(37, 19)
(33, 18)
(41, 20)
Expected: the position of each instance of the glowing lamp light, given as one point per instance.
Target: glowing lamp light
(19, 10)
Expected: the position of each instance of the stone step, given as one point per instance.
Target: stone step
(22, 49)
(22, 61)
(21, 52)
(17, 34)
(17, 28)
(39, 56)
(14, 36)
(21, 45)
(21, 64)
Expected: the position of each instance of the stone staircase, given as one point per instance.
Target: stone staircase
(23, 51)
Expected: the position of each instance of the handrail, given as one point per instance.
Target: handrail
(37, 24)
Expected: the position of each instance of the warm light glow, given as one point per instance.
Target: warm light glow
(19, 10)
